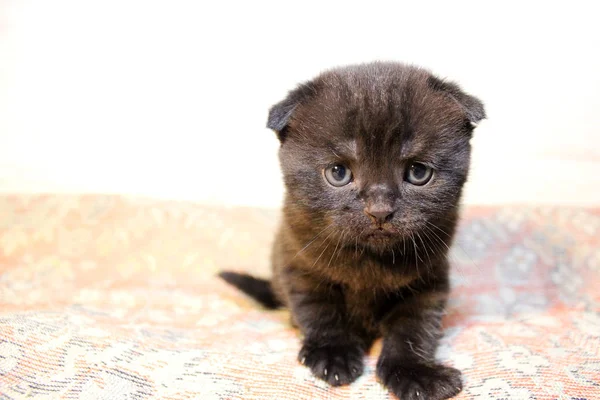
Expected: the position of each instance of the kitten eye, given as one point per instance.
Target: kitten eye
(338, 175)
(418, 174)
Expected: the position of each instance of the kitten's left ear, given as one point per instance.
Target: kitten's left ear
(473, 107)
(281, 113)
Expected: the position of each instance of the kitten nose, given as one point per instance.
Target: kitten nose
(380, 213)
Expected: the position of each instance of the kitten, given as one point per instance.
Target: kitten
(374, 158)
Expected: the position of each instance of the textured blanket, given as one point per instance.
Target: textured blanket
(114, 298)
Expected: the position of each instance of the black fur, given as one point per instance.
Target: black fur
(280, 114)
(259, 289)
(347, 274)
(472, 105)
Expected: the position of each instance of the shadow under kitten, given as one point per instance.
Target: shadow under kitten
(374, 157)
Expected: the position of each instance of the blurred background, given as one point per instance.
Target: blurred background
(169, 99)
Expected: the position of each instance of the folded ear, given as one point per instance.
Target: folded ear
(473, 107)
(281, 113)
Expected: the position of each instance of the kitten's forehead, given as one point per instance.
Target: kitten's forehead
(358, 115)
(376, 104)
(345, 148)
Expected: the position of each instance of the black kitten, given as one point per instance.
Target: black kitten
(374, 159)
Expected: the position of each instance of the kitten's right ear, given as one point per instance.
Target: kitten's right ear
(281, 113)
(472, 106)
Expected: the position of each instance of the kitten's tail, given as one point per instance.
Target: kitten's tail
(258, 289)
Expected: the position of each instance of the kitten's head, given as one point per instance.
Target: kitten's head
(378, 152)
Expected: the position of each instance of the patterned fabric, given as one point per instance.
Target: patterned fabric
(112, 298)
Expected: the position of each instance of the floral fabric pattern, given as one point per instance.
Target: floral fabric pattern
(108, 297)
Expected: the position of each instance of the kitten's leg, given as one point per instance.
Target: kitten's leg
(332, 348)
(407, 365)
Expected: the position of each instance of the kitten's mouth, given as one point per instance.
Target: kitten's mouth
(381, 235)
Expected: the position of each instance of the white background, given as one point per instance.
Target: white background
(170, 98)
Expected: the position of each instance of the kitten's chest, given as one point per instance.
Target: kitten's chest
(360, 308)
(367, 308)
(365, 276)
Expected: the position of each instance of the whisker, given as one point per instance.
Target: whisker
(343, 240)
(455, 243)
(435, 243)
(356, 255)
(312, 240)
(328, 236)
(424, 248)
(336, 247)
(441, 230)
(417, 258)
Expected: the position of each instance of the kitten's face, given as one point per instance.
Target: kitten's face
(380, 154)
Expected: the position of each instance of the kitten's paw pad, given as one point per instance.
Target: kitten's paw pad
(337, 365)
(414, 381)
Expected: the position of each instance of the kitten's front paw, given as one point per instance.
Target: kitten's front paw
(416, 381)
(338, 364)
